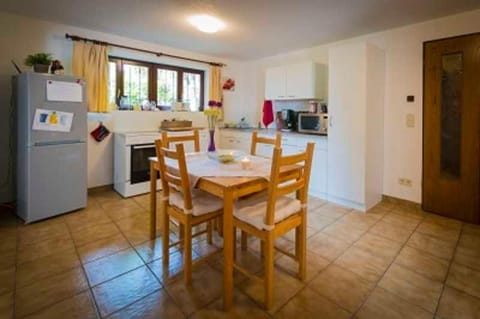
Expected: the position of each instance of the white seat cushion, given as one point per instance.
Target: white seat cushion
(202, 202)
(254, 210)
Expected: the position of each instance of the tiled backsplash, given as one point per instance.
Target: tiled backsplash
(296, 105)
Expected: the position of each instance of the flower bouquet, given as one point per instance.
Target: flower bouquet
(212, 115)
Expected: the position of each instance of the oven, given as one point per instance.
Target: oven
(139, 163)
(131, 170)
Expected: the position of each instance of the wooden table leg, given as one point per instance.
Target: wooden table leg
(153, 200)
(228, 246)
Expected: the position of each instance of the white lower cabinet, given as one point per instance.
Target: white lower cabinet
(318, 178)
(265, 150)
(235, 140)
(291, 143)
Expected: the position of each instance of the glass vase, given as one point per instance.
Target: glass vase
(211, 143)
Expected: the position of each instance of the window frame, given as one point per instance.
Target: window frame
(152, 78)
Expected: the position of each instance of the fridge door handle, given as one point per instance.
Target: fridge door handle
(49, 143)
(139, 147)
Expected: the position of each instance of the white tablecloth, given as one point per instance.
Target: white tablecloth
(200, 165)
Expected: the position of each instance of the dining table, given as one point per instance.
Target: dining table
(229, 187)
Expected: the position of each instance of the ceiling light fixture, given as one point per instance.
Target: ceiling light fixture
(206, 23)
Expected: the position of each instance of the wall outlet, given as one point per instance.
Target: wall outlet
(405, 181)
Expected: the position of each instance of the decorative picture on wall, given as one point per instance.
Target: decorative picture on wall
(228, 84)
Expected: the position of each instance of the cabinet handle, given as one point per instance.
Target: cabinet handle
(291, 96)
(281, 96)
(330, 121)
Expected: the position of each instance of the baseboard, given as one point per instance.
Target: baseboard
(99, 189)
(318, 195)
(399, 201)
(346, 202)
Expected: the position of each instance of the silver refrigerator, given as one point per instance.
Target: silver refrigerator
(51, 145)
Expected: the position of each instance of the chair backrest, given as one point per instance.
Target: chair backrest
(193, 137)
(174, 180)
(276, 142)
(290, 173)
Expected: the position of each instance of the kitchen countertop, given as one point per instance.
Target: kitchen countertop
(269, 131)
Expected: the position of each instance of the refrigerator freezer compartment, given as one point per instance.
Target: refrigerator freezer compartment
(56, 182)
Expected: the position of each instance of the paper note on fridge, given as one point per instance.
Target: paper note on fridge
(50, 120)
(64, 91)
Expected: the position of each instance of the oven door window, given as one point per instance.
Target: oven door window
(310, 123)
(140, 165)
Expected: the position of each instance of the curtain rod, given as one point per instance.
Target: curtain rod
(159, 54)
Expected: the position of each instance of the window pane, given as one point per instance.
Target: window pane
(112, 82)
(135, 83)
(166, 87)
(451, 116)
(191, 90)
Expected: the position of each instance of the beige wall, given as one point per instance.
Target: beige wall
(404, 58)
(21, 36)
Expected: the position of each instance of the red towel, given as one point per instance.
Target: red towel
(267, 112)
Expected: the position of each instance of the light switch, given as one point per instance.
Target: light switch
(410, 120)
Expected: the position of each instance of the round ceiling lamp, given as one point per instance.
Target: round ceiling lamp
(206, 23)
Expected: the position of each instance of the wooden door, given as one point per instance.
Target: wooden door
(451, 128)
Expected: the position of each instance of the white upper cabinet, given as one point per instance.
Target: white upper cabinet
(295, 81)
(275, 83)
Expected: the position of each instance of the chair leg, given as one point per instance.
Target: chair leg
(166, 239)
(301, 251)
(235, 243)
(181, 234)
(209, 232)
(220, 226)
(262, 248)
(269, 253)
(187, 252)
(244, 240)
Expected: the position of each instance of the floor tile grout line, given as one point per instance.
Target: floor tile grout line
(14, 296)
(393, 261)
(452, 260)
(332, 262)
(74, 295)
(97, 309)
(143, 265)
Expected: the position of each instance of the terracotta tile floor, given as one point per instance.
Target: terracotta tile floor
(395, 261)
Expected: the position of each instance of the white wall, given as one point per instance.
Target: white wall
(374, 148)
(20, 36)
(404, 59)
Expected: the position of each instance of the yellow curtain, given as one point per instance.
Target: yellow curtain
(90, 61)
(215, 86)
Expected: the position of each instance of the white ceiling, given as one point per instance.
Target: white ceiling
(254, 29)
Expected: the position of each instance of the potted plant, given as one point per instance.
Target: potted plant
(39, 61)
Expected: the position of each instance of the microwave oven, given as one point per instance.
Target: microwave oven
(314, 123)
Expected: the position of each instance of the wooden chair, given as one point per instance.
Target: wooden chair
(175, 139)
(189, 207)
(276, 142)
(194, 137)
(256, 139)
(275, 214)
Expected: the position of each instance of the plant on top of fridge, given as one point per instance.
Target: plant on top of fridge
(38, 58)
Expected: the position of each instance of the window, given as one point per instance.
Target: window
(138, 81)
(167, 90)
(191, 89)
(112, 82)
(135, 83)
